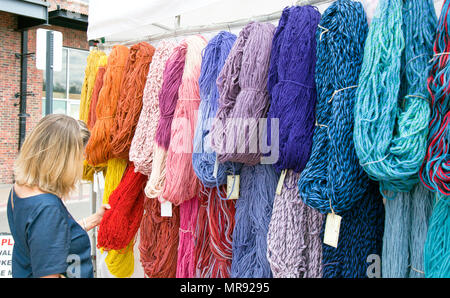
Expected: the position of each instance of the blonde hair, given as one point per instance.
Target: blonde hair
(51, 157)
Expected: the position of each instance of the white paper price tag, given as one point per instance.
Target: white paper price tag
(281, 182)
(166, 209)
(332, 227)
(233, 187)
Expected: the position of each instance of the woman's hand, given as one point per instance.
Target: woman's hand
(100, 212)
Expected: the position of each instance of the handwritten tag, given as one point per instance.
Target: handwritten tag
(281, 182)
(332, 227)
(216, 167)
(233, 187)
(166, 209)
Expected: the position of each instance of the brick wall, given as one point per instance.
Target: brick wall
(10, 84)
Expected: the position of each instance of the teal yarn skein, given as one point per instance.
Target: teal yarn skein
(407, 215)
(391, 123)
(437, 252)
(434, 171)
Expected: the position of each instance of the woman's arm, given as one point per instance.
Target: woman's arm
(94, 220)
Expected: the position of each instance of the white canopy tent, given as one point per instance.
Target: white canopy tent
(128, 22)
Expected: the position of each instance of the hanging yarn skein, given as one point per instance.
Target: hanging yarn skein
(390, 134)
(186, 247)
(120, 263)
(204, 260)
(203, 158)
(130, 101)
(120, 224)
(253, 213)
(434, 171)
(333, 180)
(291, 85)
(244, 100)
(221, 223)
(181, 182)
(94, 61)
(168, 97)
(213, 241)
(158, 242)
(98, 149)
(294, 246)
(141, 150)
(92, 117)
(403, 245)
(360, 239)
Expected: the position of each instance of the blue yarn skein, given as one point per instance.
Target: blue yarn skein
(291, 85)
(333, 175)
(360, 239)
(252, 218)
(203, 157)
(391, 127)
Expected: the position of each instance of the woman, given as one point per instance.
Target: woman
(48, 241)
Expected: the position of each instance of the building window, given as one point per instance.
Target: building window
(67, 83)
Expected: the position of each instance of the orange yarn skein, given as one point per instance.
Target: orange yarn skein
(98, 149)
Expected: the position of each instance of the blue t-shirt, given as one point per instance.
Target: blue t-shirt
(47, 240)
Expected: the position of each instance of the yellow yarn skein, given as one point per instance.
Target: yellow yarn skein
(119, 262)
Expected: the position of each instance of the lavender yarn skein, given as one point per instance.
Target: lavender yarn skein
(294, 246)
(291, 85)
(203, 158)
(244, 99)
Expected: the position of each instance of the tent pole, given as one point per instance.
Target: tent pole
(215, 27)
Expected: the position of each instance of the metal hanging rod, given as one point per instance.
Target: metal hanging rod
(215, 27)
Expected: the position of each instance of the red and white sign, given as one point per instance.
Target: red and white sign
(6, 249)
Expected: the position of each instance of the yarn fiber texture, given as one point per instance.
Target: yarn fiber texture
(90, 74)
(130, 101)
(141, 150)
(168, 97)
(391, 125)
(405, 231)
(333, 180)
(294, 246)
(181, 182)
(120, 224)
(98, 150)
(252, 219)
(434, 172)
(158, 242)
(244, 100)
(203, 157)
(120, 263)
(213, 240)
(221, 221)
(437, 245)
(186, 247)
(360, 238)
(408, 213)
(92, 117)
(291, 85)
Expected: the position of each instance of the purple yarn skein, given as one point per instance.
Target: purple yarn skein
(292, 87)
